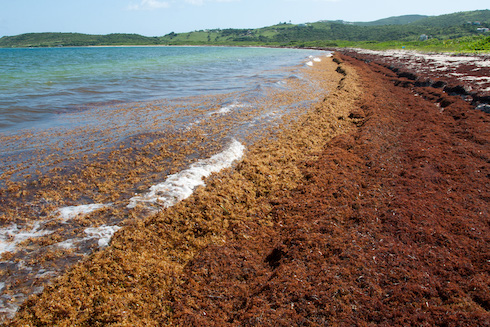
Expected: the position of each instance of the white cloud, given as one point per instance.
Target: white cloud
(149, 5)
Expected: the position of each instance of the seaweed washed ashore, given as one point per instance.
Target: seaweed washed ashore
(466, 75)
(371, 208)
(388, 226)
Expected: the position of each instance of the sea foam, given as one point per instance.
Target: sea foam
(68, 213)
(13, 235)
(180, 186)
(313, 59)
(230, 107)
(102, 233)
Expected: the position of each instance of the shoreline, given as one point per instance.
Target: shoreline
(353, 214)
(172, 251)
(167, 46)
(102, 167)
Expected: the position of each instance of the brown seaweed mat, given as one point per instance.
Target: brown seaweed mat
(371, 209)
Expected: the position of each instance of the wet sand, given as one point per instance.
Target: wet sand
(370, 209)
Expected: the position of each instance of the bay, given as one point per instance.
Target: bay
(39, 82)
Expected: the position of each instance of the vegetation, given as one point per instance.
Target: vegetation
(398, 20)
(464, 44)
(442, 31)
(454, 32)
(74, 39)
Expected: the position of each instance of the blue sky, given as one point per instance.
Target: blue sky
(159, 17)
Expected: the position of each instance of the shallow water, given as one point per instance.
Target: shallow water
(37, 83)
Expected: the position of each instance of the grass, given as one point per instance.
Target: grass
(464, 44)
(467, 44)
(472, 44)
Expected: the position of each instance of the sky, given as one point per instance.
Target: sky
(160, 17)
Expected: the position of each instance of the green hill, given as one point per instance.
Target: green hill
(396, 31)
(326, 32)
(396, 20)
(74, 39)
(456, 19)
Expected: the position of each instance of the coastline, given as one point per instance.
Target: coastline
(166, 46)
(369, 209)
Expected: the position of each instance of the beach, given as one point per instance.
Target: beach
(368, 208)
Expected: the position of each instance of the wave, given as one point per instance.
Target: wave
(68, 213)
(180, 186)
(132, 75)
(176, 187)
(11, 236)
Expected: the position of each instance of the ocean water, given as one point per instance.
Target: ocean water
(37, 83)
(158, 119)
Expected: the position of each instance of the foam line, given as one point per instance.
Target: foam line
(228, 108)
(68, 213)
(11, 236)
(180, 186)
(103, 233)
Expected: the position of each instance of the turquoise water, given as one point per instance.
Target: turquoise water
(37, 83)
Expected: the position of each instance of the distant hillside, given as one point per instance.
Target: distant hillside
(407, 28)
(456, 19)
(396, 20)
(74, 39)
(328, 32)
